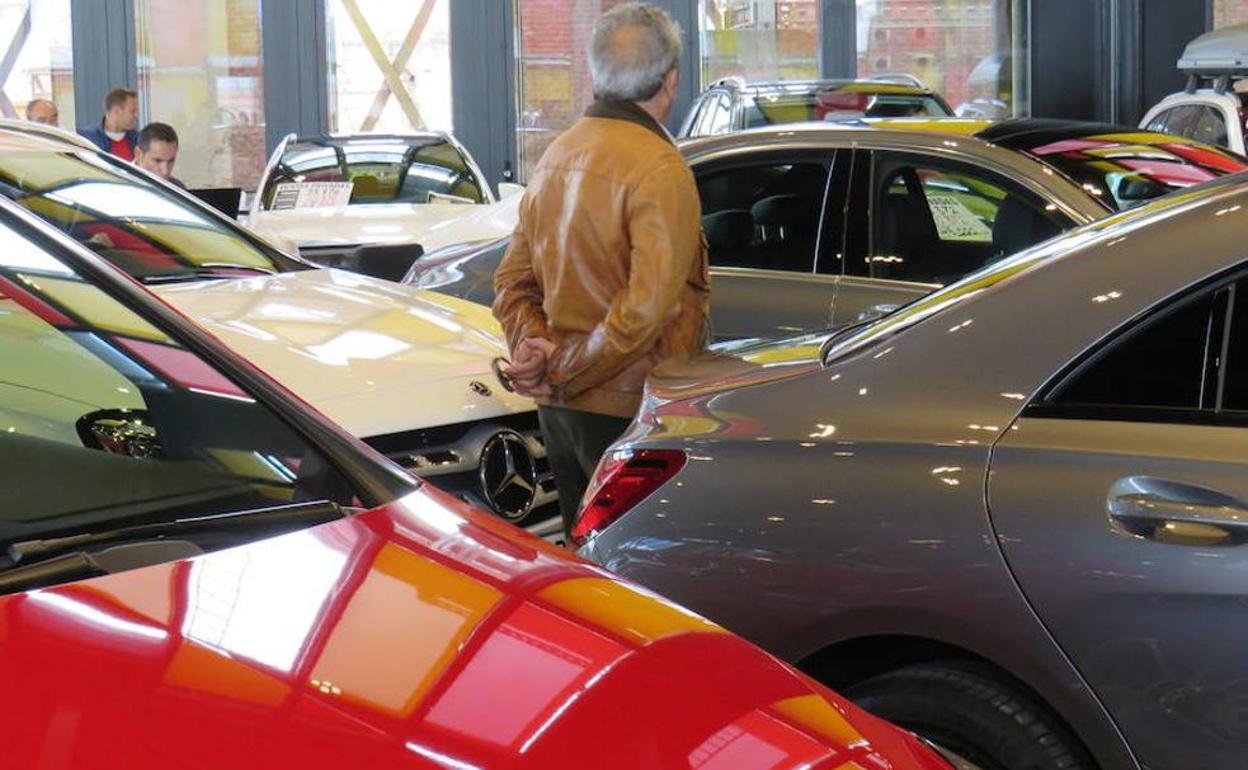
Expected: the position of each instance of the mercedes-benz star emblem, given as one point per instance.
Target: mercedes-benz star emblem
(508, 475)
(480, 388)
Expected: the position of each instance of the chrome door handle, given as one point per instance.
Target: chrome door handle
(1178, 513)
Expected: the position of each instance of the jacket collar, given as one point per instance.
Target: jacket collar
(629, 111)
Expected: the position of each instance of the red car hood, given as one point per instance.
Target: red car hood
(422, 634)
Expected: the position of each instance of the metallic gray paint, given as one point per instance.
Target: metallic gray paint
(850, 501)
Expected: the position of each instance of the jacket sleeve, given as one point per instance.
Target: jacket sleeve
(517, 296)
(664, 229)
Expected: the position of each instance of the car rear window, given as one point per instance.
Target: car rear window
(382, 170)
(768, 108)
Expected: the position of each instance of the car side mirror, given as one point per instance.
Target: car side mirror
(126, 432)
(508, 189)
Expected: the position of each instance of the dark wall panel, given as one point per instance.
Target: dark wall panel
(1065, 58)
(295, 52)
(104, 59)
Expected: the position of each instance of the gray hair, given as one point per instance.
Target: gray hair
(633, 47)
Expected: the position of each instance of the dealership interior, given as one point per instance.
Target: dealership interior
(703, 384)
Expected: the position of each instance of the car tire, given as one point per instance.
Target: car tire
(971, 710)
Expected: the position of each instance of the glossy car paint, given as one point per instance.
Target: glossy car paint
(915, 504)
(422, 634)
(374, 356)
(416, 635)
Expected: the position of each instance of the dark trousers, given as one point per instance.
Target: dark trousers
(575, 441)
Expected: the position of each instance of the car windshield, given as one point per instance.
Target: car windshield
(1124, 170)
(426, 169)
(149, 231)
(799, 104)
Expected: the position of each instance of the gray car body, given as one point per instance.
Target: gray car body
(895, 505)
(757, 303)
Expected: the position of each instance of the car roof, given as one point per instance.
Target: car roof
(1027, 133)
(18, 136)
(861, 85)
(342, 140)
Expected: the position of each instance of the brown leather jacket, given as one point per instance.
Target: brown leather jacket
(608, 260)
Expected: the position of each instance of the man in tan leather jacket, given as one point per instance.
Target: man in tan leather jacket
(606, 274)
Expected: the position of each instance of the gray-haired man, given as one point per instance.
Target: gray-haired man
(606, 275)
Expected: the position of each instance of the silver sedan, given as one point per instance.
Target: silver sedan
(1012, 516)
(815, 226)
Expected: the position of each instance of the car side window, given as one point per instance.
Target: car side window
(721, 116)
(106, 421)
(1167, 362)
(1210, 127)
(763, 214)
(1176, 120)
(933, 220)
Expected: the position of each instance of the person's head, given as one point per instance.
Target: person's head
(634, 56)
(43, 111)
(121, 110)
(157, 150)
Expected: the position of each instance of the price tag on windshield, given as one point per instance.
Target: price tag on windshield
(311, 195)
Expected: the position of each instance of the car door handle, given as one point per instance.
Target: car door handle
(1177, 513)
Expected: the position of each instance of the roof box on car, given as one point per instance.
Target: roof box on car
(1221, 52)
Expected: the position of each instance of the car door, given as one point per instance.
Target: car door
(916, 221)
(763, 216)
(1120, 501)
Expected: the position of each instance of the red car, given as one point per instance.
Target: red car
(200, 572)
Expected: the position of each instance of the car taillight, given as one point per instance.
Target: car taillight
(623, 479)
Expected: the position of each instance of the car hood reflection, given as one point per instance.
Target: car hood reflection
(421, 634)
(375, 356)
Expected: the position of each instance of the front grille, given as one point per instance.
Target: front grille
(441, 435)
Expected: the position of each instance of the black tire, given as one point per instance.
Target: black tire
(971, 710)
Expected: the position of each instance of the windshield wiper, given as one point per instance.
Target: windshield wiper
(22, 552)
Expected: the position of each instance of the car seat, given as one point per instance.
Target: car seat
(1019, 225)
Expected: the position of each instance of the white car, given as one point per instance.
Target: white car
(409, 371)
(374, 203)
(1214, 107)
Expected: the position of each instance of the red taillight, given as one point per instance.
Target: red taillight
(623, 479)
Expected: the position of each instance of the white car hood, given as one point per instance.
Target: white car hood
(376, 357)
(433, 225)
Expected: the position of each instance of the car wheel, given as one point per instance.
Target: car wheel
(974, 712)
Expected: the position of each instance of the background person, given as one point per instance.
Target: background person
(156, 150)
(606, 274)
(43, 111)
(115, 133)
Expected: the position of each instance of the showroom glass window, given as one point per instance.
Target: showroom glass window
(200, 70)
(971, 51)
(552, 76)
(38, 34)
(759, 39)
(1228, 12)
(389, 65)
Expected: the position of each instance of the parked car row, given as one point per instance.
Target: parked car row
(1009, 521)
(200, 571)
